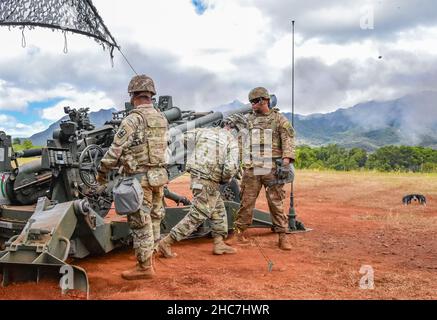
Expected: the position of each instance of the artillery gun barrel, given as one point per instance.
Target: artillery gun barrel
(114, 122)
(179, 152)
(244, 109)
(207, 120)
(197, 115)
(198, 123)
(172, 114)
(31, 167)
(29, 153)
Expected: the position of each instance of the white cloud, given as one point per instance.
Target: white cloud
(16, 99)
(14, 128)
(211, 59)
(227, 30)
(95, 100)
(420, 40)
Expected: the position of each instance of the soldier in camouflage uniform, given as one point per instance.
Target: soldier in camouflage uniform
(139, 148)
(270, 136)
(213, 161)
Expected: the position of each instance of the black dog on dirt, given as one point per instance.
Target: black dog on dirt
(414, 197)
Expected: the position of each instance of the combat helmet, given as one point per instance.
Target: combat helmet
(141, 83)
(237, 121)
(259, 92)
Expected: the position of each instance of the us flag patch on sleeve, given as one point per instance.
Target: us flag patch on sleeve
(121, 133)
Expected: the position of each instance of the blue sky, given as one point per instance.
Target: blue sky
(24, 123)
(33, 112)
(33, 116)
(200, 6)
(24, 111)
(206, 53)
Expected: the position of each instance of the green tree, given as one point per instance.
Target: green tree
(27, 144)
(402, 158)
(389, 158)
(16, 141)
(358, 156)
(429, 167)
(305, 157)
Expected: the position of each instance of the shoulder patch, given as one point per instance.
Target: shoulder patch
(121, 133)
(287, 124)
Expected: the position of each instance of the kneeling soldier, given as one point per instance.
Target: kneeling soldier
(213, 161)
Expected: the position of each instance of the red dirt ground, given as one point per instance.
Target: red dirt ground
(358, 219)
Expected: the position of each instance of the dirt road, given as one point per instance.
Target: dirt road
(358, 220)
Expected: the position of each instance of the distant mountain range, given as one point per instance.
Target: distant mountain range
(410, 120)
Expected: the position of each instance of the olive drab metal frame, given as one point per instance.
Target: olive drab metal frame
(68, 217)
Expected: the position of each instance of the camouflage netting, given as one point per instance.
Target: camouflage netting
(77, 16)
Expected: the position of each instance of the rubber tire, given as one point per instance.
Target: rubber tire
(234, 187)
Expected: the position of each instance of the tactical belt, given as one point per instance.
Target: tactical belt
(201, 175)
(251, 166)
(151, 165)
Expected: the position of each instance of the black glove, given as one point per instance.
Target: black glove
(282, 172)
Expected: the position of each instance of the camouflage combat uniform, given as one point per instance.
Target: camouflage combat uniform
(139, 147)
(268, 137)
(214, 160)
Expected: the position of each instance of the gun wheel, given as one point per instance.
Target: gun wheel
(88, 163)
(231, 191)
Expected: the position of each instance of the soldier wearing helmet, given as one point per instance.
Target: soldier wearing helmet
(141, 85)
(213, 160)
(139, 148)
(270, 137)
(236, 121)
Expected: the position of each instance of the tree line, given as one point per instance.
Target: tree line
(385, 159)
(22, 144)
(334, 157)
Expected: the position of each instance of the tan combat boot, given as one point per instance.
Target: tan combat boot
(143, 270)
(283, 242)
(164, 247)
(220, 247)
(242, 237)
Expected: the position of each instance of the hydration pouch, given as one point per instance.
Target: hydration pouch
(128, 196)
(157, 177)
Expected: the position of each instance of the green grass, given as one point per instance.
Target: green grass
(373, 172)
(19, 147)
(22, 161)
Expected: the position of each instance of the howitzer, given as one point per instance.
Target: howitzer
(68, 166)
(65, 216)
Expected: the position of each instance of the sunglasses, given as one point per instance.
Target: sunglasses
(256, 101)
(135, 95)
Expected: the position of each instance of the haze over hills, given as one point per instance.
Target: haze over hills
(410, 120)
